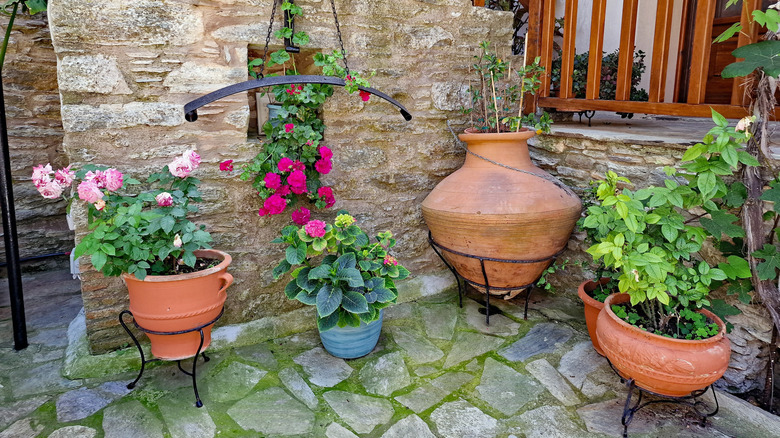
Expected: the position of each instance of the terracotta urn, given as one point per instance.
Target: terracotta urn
(171, 303)
(592, 309)
(666, 366)
(487, 210)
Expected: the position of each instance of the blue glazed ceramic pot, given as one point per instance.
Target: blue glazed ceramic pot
(352, 342)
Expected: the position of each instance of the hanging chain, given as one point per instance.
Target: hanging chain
(268, 40)
(338, 31)
(551, 179)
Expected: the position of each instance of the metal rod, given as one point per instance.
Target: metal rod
(10, 235)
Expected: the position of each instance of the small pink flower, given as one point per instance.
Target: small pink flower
(192, 157)
(89, 192)
(177, 241)
(97, 177)
(41, 175)
(112, 179)
(226, 166)
(301, 216)
(365, 95)
(325, 152)
(315, 228)
(744, 123)
(283, 190)
(164, 199)
(52, 190)
(65, 176)
(275, 204)
(100, 205)
(390, 260)
(323, 166)
(297, 165)
(326, 193)
(272, 181)
(289, 127)
(285, 164)
(180, 167)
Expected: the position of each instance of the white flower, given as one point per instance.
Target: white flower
(177, 241)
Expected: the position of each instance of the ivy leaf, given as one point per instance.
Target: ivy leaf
(767, 270)
(773, 195)
(742, 288)
(764, 55)
(737, 267)
(723, 309)
(328, 300)
(354, 302)
(722, 223)
(300, 39)
(736, 195)
(278, 57)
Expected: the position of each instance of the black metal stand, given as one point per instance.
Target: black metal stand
(487, 310)
(686, 400)
(193, 374)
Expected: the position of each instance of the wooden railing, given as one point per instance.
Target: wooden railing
(540, 36)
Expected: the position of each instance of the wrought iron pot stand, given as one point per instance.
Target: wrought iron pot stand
(144, 361)
(487, 310)
(689, 400)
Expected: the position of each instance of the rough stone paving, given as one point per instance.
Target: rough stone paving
(437, 372)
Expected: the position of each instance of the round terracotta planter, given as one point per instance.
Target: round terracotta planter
(666, 366)
(171, 303)
(592, 309)
(490, 211)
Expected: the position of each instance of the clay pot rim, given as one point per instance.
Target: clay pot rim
(658, 338)
(587, 298)
(471, 134)
(207, 253)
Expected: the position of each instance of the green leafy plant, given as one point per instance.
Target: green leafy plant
(339, 271)
(609, 69)
(141, 233)
(497, 95)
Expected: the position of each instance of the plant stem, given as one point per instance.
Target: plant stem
(495, 103)
(7, 35)
(522, 86)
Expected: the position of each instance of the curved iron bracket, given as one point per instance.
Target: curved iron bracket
(191, 108)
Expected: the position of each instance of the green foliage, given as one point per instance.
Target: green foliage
(497, 94)
(554, 267)
(31, 7)
(764, 55)
(347, 278)
(609, 69)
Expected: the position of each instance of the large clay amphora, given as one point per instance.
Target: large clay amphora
(491, 211)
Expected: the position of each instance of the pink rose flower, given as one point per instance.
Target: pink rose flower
(297, 165)
(164, 199)
(275, 204)
(326, 193)
(192, 157)
(112, 179)
(283, 190)
(180, 167)
(226, 166)
(325, 152)
(100, 205)
(65, 176)
(285, 164)
(41, 175)
(323, 166)
(289, 127)
(97, 178)
(272, 181)
(365, 95)
(315, 228)
(52, 190)
(89, 192)
(301, 216)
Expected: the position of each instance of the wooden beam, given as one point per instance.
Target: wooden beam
(548, 33)
(534, 45)
(598, 18)
(679, 76)
(748, 35)
(700, 54)
(661, 41)
(626, 56)
(478, 2)
(662, 108)
(568, 48)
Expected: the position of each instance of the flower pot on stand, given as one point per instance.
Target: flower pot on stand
(592, 309)
(665, 366)
(172, 303)
(352, 342)
(487, 210)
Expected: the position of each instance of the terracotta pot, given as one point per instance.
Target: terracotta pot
(170, 303)
(490, 211)
(592, 309)
(666, 366)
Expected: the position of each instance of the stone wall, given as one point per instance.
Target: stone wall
(34, 135)
(126, 68)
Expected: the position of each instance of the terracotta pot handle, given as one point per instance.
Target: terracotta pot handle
(227, 280)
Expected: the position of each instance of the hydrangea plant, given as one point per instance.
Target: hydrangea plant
(335, 268)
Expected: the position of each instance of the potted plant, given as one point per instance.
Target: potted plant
(499, 205)
(656, 331)
(175, 281)
(347, 278)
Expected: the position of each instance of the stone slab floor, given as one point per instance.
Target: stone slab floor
(438, 371)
